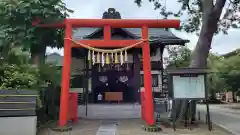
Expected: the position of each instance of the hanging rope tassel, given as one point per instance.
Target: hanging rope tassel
(126, 55)
(107, 59)
(93, 58)
(112, 56)
(103, 59)
(116, 58)
(121, 57)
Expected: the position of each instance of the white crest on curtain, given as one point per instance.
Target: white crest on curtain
(123, 79)
(103, 79)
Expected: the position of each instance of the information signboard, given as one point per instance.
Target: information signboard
(187, 84)
(189, 87)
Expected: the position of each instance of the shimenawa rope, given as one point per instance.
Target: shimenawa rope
(107, 50)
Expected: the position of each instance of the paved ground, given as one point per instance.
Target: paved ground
(225, 117)
(132, 127)
(127, 121)
(110, 111)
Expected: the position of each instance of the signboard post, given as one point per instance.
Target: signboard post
(188, 84)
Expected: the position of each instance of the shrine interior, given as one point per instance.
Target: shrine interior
(120, 80)
(114, 78)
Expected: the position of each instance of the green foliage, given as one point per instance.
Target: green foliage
(230, 72)
(197, 12)
(16, 17)
(13, 76)
(178, 56)
(17, 73)
(15, 55)
(215, 83)
(50, 75)
(225, 73)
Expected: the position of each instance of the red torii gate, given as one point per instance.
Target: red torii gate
(107, 24)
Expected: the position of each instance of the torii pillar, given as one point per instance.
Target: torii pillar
(66, 75)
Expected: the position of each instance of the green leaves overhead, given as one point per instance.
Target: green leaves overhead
(230, 72)
(195, 12)
(178, 56)
(16, 17)
(26, 76)
(17, 77)
(52, 10)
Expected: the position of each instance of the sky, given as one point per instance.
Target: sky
(129, 10)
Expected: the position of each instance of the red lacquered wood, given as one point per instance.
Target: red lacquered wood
(63, 114)
(114, 23)
(147, 79)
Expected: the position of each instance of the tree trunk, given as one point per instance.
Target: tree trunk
(211, 15)
(38, 50)
(38, 54)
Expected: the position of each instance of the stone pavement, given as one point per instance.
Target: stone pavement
(110, 111)
(84, 127)
(122, 120)
(228, 119)
(132, 127)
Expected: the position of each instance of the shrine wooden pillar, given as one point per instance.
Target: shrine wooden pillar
(63, 114)
(147, 78)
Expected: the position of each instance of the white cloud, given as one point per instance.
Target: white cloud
(128, 9)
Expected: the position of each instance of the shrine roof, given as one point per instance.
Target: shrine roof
(156, 35)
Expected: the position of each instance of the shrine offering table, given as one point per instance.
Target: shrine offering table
(113, 96)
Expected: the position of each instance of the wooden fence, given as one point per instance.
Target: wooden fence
(15, 103)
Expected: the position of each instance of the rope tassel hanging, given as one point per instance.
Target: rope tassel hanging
(107, 59)
(116, 58)
(93, 58)
(114, 53)
(126, 56)
(121, 58)
(112, 56)
(103, 59)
